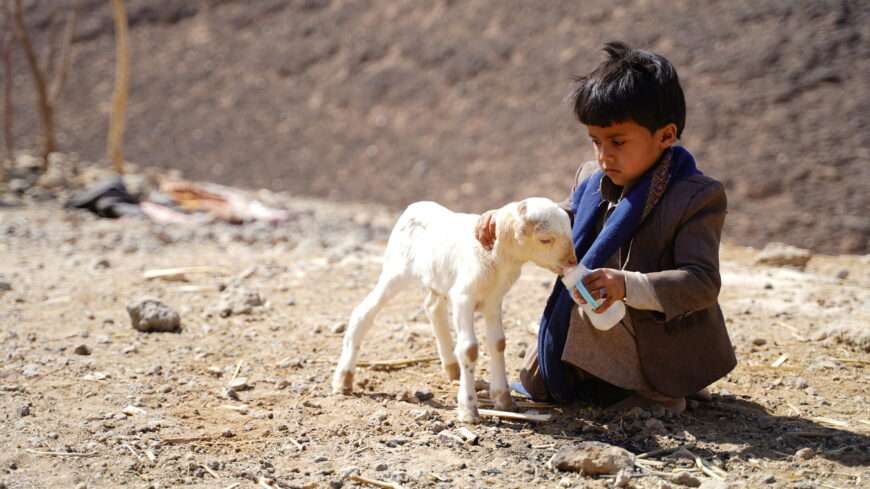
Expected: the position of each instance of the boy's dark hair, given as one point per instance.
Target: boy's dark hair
(631, 84)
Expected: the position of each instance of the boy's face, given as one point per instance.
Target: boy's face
(626, 150)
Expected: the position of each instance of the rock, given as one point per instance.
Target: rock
(82, 350)
(801, 383)
(592, 458)
(843, 274)
(24, 410)
(759, 341)
(623, 478)
(239, 384)
(30, 370)
(150, 315)
(381, 467)
(767, 479)
(101, 264)
(804, 454)
(654, 425)
(423, 395)
(686, 479)
(238, 300)
(4, 285)
(338, 328)
(783, 255)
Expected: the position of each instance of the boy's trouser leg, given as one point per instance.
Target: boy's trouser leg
(530, 376)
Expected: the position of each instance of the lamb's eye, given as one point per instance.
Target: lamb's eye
(546, 241)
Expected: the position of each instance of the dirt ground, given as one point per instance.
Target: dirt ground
(63, 414)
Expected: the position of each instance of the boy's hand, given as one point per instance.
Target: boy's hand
(606, 285)
(485, 229)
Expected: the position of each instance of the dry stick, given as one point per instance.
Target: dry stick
(128, 447)
(853, 360)
(665, 451)
(234, 485)
(61, 454)
(534, 417)
(213, 474)
(373, 482)
(46, 95)
(388, 364)
(114, 149)
(262, 483)
(7, 40)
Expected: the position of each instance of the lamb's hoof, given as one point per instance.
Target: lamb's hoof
(503, 401)
(468, 415)
(452, 371)
(342, 383)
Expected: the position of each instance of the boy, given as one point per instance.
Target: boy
(648, 223)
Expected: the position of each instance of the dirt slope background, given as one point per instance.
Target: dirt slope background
(464, 102)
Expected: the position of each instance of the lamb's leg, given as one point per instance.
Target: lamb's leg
(361, 320)
(466, 351)
(499, 391)
(436, 310)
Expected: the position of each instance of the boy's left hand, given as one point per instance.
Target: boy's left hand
(607, 285)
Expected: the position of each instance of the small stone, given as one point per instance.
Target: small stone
(843, 274)
(228, 433)
(654, 425)
(592, 458)
(623, 478)
(81, 485)
(82, 350)
(239, 384)
(768, 286)
(565, 482)
(804, 454)
(30, 370)
(423, 395)
(783, 255)
(381, 467)
(101, 264)
(686, 479)
(801, 383)
(320, 459)
(150, 315)
(5, 286)
(238, 300)
(24, 410)
(338, 328)
(767, 478)
(759, 341)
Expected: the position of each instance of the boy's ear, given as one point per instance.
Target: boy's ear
(667, 135)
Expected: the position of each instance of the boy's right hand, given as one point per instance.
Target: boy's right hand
(485, 229)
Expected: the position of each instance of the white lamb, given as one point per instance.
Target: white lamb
(437, 247)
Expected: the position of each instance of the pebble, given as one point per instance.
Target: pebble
(338, 327)
(623, 478)
(24, 410)
(150, 315)
(592, 458)
(5, 286)
(82, 350)
(381, 467)
(767, 478)
(30, 370)
(238, 300)
(759, 341)
(783, 255)
(686, 479)
(423, 395)
(654, 425)
(239, 384)
(804, 454)
(843, 274)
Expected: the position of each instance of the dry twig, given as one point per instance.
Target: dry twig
(374, 482)
(61, 454)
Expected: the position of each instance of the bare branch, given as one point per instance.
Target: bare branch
(7, 41)
(65, 55)
(46, 111)
(115, 150)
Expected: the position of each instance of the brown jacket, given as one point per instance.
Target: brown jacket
(687, 347)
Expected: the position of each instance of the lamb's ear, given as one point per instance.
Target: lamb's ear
(523, 227)
(485, 231)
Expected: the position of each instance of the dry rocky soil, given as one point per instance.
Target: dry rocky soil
(87, 401)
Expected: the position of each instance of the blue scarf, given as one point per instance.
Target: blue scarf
(676, 163)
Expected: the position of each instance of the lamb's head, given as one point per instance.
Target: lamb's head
(537, 230)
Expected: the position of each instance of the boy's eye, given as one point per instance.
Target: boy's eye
(618, 142)
(546, 240)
